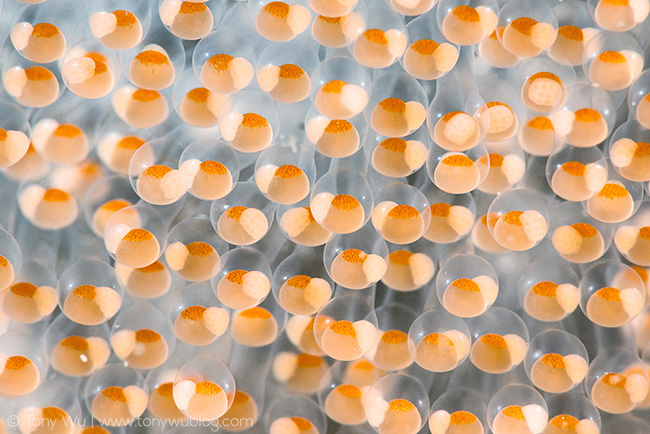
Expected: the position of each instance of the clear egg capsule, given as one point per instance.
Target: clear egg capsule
(22, 366)
(639, 100)
(521, 219)
(505, 164)
(492, 51)
(429, 54)
(157, 64)
(517, 409)
(11, 259)
(243, 216)
(151, 281)
(452, 216)
(160, 382)
(32, 296)
(249, 120)
(543, 83)
(614, 383)
(629, 151)
(53, 411)
(335, 138)
(31, 85)
(38, 33)
(617, 201)
(284, 175)
(279, 21)
(632, 236)
(299, 225)
(15, 133)
(296, 414)
(90, 71)
(258, 326)
(503, 109)
(611, 294)
(467, 23)
(116, 395)
(189, 20)
(340, 88)
(499, 340)
(244, 279)
(76, 350)
(210, 168)
(119, 25)
(397, 403)
(575, 28)
(104, 198)
(356, 261)
(195, 104)
(47, 208)
(556, 362)
(61, 142)
(548, 290)
(482, 237)
(409, 268)
(342, 402)
(616, 16)
(396, 157)
(576, 174)
(204, 388)
(338, 31)
(577, 237)
(391, 351)
(116, 144)
(195, 321)
(401, 214)
(458, 411)
(31, 167)
(613, 62)
(300, 332)
(439, 341)
(140, 108)
(302, 373)
(457, 172)
(384, 40)
(529, 28)
(572, 412)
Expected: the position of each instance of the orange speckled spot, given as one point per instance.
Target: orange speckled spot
(3, 134)
(144, 95)
(400, 257)
(394, 144)
(24, 289)
(38, 73)
(565, 421)
(403, 212)
(523, 25)
(147, 336)
(545, 288)
(642, 272)
(425, 47)
(199, 248)
(355, 256)
(394, 337)
(55, 195)
(153, 268)
(466, 284)
(547, 75)
(213, 167)
(334, 86)
(466, 13)
(344, 328)
(349, 390)
(199, 95)
(363, 365)
(240, 397)
(462, 418)
(192, 8)
(125, 18)
(3, 261)
(376, 35)
(77, 343)
(135, 235)
(611, 57)
(329, 20)
(310, 216)
(130, 142)
(613, 191)
(571, 32)
(193, 313)
(235, 212)
(166, 389)
(554, 360)
(53, 414)
(277, 9)
(608, 293)
(494, 340)
(115, 205)
(497, 103)
(16, 363)
(289, 71)
(393, 105)
(345, 202)
(400, 405)
(253, 120)
(438, 339)
(94, 430)
(87, 292)
(115, 393)
(152, 57)
(587, 115)
(615, 2)
(45, 30)
(236, 276)
(574, 168)
(614, 379)
(513, 218)
(300, 281)
(67, 130)
(255, 312)
(301, 423)
(495, 160)
(207, 388)
(585, 230)
(458, 160)
(220, 62)
(541, 123)
(308, 361)
(514, 411)
(100, 62)
(338, 126)
(642, 149)
(440, 209)
(287, 171)
(447, 117)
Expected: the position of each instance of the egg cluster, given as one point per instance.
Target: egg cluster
(324, 216)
